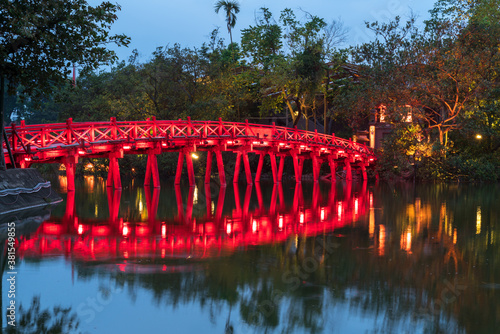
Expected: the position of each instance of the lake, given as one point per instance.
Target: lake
(317, 258)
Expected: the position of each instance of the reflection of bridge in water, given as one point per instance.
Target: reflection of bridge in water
(187, 236)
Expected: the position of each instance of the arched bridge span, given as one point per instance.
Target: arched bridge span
(67, 142)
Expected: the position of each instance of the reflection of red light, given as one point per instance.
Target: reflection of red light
(141, 231)
(52, 228)
(356, 205)
(81, 152)
(125, 254)
(125, 231)
(322, 214)
(254, 226)
(164, 231)
(280, 222)
(100, 230)
(339, 209)
(301, 218)
(228, 228)
(80, 229)
(127, 147)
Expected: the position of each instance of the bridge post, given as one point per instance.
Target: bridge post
(208, 170)
(363, 171)
(69, 163)
(189, 165)
(152, 171)
(220, 167)
(259, 167)
(190, 169)
(348, 170)
(333, 172)
(237, 168)
(316, 166)
(273, 167)
(114, 174)
(248, 171)
(178, 173)
(298, 164)
(280, 170)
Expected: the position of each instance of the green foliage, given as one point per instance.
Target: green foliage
(41, 40)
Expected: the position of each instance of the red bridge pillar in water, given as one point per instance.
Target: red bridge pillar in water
(298, 166)
(333, 168)
(152, 171)
(220, 166)
(246, 163)
(348, 169)
(189, 165)
(70, 164)
(114, 173)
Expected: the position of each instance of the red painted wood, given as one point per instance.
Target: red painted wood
(237, 168)
(273, 167)
(190, 169)
(248, 172)
(220, 167)
(208, 170)
(348, 170)
(259, 167)
(70, 174)
(280, 170)
(178, 173)
(51, 143)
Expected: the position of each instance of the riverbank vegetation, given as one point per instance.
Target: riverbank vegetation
(288, 67)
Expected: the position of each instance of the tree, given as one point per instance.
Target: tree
(231, 8)
(40, 41)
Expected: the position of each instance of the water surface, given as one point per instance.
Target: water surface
(342, 258)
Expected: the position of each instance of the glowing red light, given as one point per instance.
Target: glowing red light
(125, 231)
(80, 229)
(164, 231)
(228, 228)
(81, 152)
(127, 147)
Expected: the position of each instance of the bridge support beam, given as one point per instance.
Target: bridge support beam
(348, 170)
(189, 165)
(220, 167)
(237, 168)
(152, 172)
(208, 170)
(333, 168)
(316, 167)
(114, 174)
(363, 171)
(298, 165)
(280, 170)
(259, 167)
(272, 156)
(69, 163)
(248, 171)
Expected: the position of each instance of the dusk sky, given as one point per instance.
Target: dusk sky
(155, 23)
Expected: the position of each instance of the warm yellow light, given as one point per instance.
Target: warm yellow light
(478, 220)
(478, 136)
(194, 155)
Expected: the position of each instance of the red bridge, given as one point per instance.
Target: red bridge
(67, 142)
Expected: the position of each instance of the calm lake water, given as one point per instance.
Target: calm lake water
(348, 258)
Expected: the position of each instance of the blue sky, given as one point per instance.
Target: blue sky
(156, 23)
